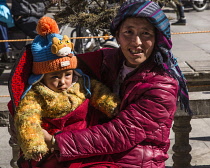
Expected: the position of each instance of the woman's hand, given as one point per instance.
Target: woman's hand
(49, 140)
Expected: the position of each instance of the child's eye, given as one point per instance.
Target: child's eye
(54, 77)
(68, 74)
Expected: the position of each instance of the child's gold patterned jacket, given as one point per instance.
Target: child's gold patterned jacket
(65, 110)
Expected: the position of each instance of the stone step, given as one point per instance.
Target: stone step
(199, 104)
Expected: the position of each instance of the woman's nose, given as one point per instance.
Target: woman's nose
(137, 40)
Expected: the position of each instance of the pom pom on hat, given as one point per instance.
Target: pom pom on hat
(47, 25)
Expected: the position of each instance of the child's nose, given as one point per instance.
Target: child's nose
(62, 80)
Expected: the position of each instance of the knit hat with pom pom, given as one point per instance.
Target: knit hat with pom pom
(45, 59)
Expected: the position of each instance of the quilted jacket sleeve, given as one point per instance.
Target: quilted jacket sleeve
(141, 120)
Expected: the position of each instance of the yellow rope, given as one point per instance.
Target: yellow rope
(16, 40)
(69, 38)
(4, 96)
(208, 31)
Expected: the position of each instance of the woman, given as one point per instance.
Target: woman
(149, 82)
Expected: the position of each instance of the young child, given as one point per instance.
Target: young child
(58, 94)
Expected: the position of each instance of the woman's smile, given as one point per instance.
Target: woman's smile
(136, 51)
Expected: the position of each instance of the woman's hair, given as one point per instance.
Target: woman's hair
(163, 44)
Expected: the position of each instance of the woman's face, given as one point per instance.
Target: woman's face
(136, 37)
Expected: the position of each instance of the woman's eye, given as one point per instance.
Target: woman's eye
(149, 33)
(146, 33)
(128, 32)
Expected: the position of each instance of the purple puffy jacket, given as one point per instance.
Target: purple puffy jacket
(139, 136)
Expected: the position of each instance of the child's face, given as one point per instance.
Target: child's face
(58, 81)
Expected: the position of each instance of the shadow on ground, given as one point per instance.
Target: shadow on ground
(4, 78)
(201, 139)
(204, 166)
